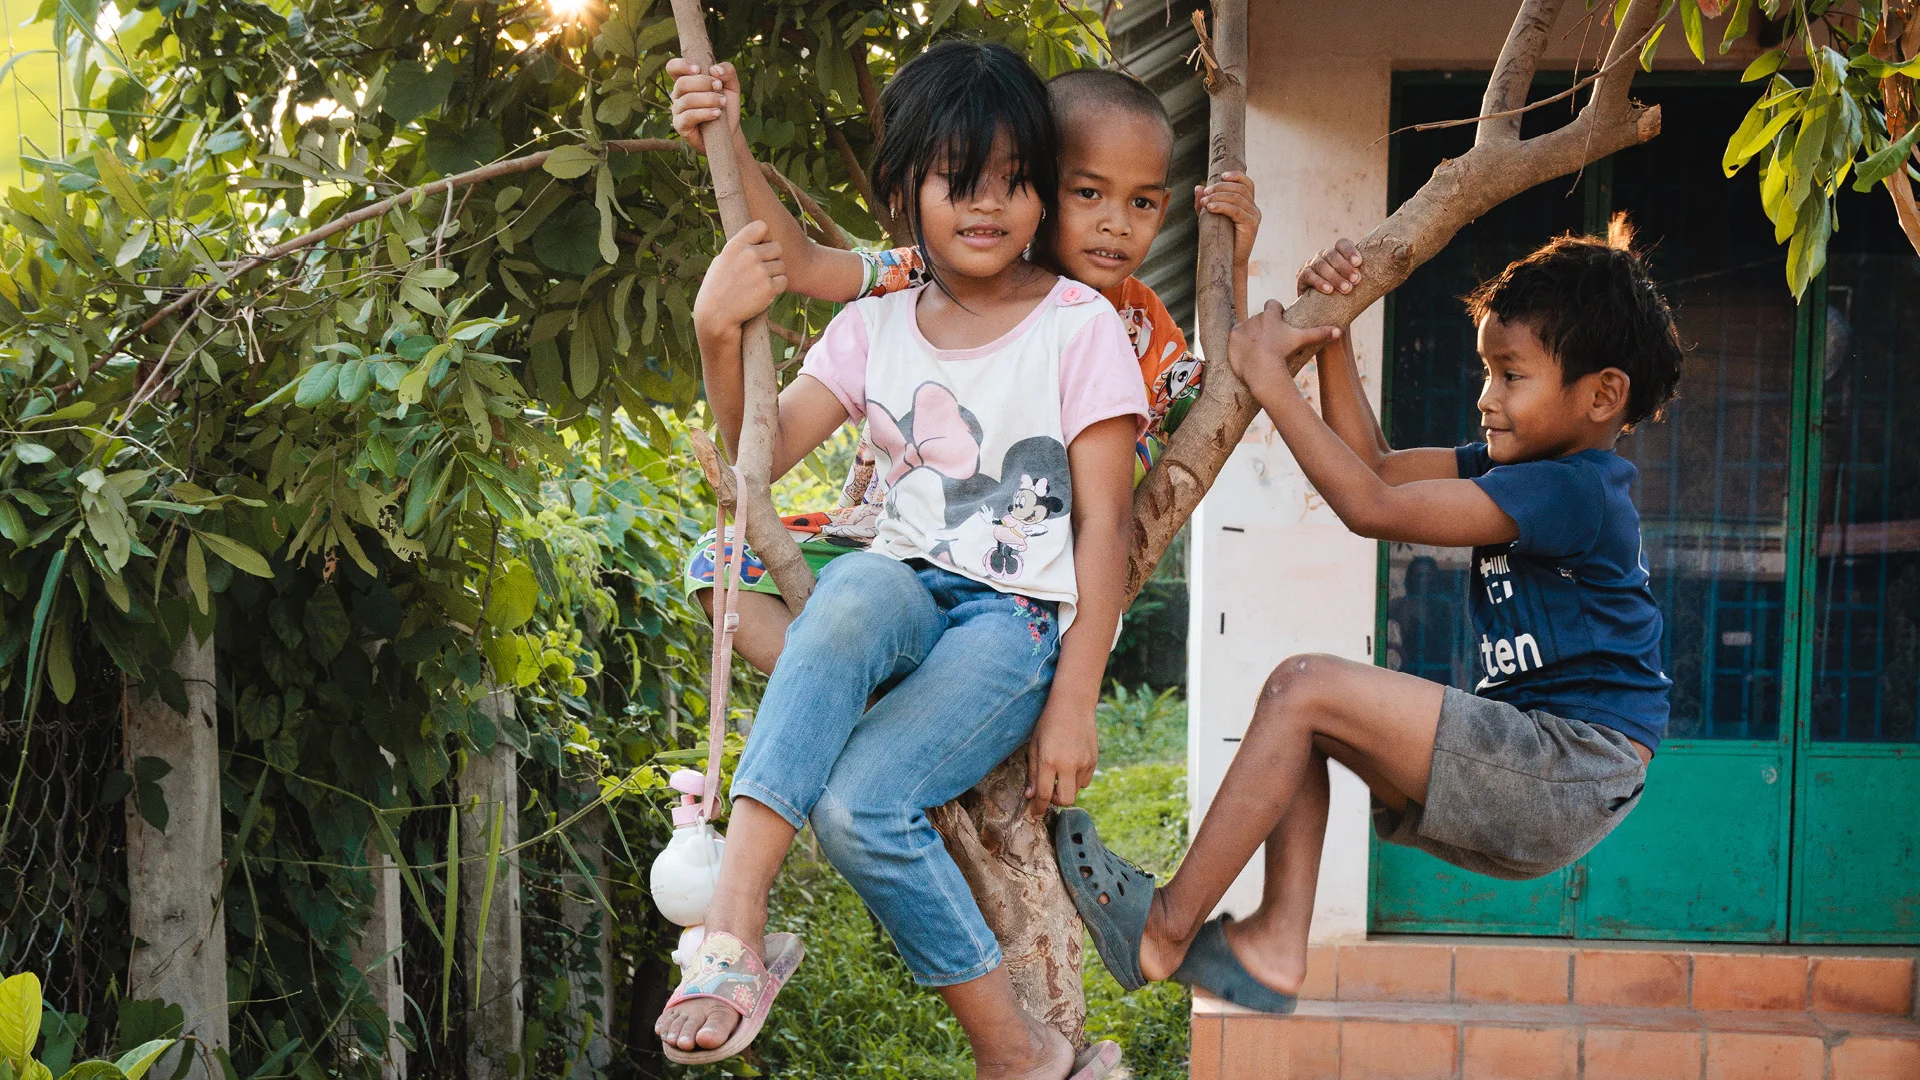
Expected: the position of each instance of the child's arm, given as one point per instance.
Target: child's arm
(816, 270)
(1444, 513)
(1066, 746)
(1343, 401)
(744, 278)
(1232, 198)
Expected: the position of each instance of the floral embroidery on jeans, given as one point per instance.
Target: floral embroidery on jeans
(1037, 620)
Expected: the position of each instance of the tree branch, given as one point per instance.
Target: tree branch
(754, 453)
(1460, 190)
(1513, 72)
(409, 197)
(869, 93)
(896, 231)
(1897, 39)
(829, 228)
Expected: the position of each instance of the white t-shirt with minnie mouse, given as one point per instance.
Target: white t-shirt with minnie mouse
(970, 445)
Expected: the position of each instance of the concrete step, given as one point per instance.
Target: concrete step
(1388, 1040)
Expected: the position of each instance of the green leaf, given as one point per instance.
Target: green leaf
(571, 162)
(1736, 26)
(1807, 252)
(240, 555)
(452, 921)
(569, 243)
(12, 525)
(512, 597)
(326, 623)
(413, 91)
(19, 1018)
(1652, 46)
(583, 361)
(317, 384)
(114, 177)
(94, 1070)
(451, 150)
(1885, 161)
(1690, 21)
(32, 452)
(1765, 64)
(356, 376)
(135, 1062)
(1751, 138)
(1881, 69)
(499, 816)
(60, 664)
(133, 245)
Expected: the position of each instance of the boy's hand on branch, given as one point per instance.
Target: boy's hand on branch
(743, 281)
(1336, 269)
(699, 97)
(1232, 198)
(1061, 756)
(1263, 348)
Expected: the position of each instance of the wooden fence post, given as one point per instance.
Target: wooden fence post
(178, 924)
(496, 1016)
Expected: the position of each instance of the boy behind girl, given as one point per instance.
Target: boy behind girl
(1548, 752)
(1116, 150)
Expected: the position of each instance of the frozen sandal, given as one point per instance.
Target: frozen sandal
(1097, 1062)
(1112, 895)
(1211, 966)
(726, 970)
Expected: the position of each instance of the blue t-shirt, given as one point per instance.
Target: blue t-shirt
(1563, 618)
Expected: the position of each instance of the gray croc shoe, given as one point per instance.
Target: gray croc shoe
(1211, 966)
(1112, 895)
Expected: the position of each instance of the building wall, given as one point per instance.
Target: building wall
(1273, 571)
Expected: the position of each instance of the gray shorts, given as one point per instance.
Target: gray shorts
(1516, 794)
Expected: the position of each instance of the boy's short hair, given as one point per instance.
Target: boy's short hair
(1593, 305)
(1085, 86)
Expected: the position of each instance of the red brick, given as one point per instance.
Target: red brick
(1259, 1047)
(1509, 1053)
(1863, 984)
(1395, 972)
(1739, 1056)
(1863, 1058)
(1634, 1054)
(1386, 1050)
(1749, 981)
(1495, 975)
(1204, 1058)
(1630, 978)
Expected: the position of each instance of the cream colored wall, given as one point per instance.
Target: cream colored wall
(1270, 563)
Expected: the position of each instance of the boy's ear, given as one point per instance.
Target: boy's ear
(1611, 388)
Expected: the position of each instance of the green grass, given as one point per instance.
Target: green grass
(852, 1009)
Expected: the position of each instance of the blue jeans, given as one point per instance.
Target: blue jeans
(970, 668)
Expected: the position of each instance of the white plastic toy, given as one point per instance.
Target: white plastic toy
(684, 874)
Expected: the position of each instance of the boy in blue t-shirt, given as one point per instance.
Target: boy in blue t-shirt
(1547, 752)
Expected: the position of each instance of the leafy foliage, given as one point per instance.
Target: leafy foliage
(1806, 138)
(435, 452)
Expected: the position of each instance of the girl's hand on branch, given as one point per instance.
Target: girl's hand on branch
(1263, 349)
(1061, 755)
(1336, 269)
(1232, 198)
(699, 97)
(743, 281)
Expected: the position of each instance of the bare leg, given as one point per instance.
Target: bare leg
(1007, 1043)
(764, 619)
(757, 842)
(1311, 706)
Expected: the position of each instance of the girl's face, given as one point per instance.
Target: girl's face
(979, 234)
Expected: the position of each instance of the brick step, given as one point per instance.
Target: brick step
(1384, 1040)
(1635, 975)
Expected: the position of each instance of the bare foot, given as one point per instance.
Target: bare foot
(1165, 943)
(705, 1024)
(1047, 1055)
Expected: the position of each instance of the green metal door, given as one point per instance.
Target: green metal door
(1856, 847)
(1704, 856)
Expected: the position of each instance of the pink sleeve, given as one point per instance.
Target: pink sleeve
(1100, 378)
(839, 361)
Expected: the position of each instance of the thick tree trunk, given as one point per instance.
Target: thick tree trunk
(496, 1017)
(179, 927)
(376, 955)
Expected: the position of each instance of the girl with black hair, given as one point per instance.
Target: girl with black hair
(993, 391)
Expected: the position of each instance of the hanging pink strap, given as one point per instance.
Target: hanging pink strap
(726, 620)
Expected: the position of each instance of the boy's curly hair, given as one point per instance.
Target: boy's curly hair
(1594, 306)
